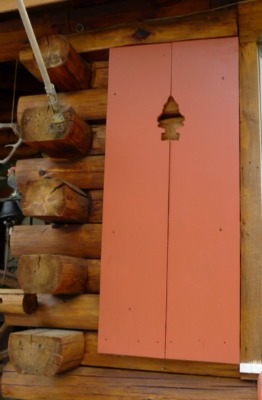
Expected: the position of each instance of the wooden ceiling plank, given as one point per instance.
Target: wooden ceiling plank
(10, 5)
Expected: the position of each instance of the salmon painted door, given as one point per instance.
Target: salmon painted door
(170, 268)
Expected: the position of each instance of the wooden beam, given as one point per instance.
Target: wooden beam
(250, 20)
(220, 23)
(251, 212)
(70, 240)
(85, 173)
(68, 312)
(90, 104)
(110, 384)
(10, 5)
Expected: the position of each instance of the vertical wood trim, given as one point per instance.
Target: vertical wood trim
(251, 251)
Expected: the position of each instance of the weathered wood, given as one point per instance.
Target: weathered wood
(46, 273)
(68, 312)
(55, 200)
(16, 301)
(7, 136)
(109, 384)
(71, 138)
(220, 23)
(95, 359)
(249, 17)
(45, 351)
(82, 241)
(99, 74)
(89, 104)
(66, 68)
(251, 213)
(85, 173)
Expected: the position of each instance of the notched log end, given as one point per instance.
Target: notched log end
(73, 137)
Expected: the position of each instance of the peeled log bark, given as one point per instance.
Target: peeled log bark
(68, 312)
(17, 302)
(89, 104)
(66, 68)
(54, 200)
(85, 173)
(82, 241)
(45, 351)
(46, 273)
(71, 138)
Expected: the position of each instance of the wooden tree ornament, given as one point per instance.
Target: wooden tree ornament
(54, 200)
(46, 273)
(45, 351)
(67, 69)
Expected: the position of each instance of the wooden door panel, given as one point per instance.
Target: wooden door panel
(204, 243)
(134, 242)
(170, 245)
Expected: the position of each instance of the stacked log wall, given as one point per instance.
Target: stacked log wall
(91, 106)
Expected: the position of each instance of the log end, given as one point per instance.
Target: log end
(45, 351)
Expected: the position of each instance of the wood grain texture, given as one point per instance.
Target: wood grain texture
(84, 173)
(71, 138)
(89, 104)
(108, 384)
(249, 18)
(70, 240)
(251, 233)
(54, 200)
(46, 273)
(45, 351)
(68, 312)
(10, 5)
(66, 68)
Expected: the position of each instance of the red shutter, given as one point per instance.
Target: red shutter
(170, 246)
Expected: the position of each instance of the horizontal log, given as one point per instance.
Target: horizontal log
(90, 104)
(17, 302)
(70, 138)
(45, 351)
(66, 68)
(94, 359)
(101, 16)
(82, 241)
(220, 23)
(55, 200)
(46, 273)
(85, 173)
(68, 312)
(86, 383)
(7, 136)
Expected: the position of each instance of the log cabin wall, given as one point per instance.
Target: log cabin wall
(92, 30)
